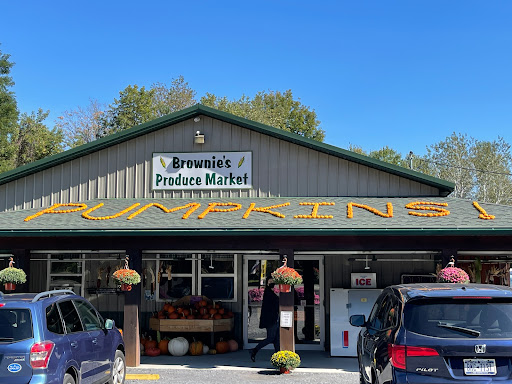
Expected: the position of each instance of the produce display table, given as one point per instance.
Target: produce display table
(192, 326)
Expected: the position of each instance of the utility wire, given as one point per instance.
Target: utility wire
(458, 167)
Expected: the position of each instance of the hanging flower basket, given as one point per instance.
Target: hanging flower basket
(286, 275)
(453, 275)
(11, 276)
(285, 361)
(126, 277)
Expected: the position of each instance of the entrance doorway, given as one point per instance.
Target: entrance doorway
(309, 297)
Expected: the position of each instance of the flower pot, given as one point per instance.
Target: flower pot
(285, 288)
(10, 286)
(284, 370)
(126, 287)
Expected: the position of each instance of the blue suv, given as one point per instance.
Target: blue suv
(437, 333)
(57, 337)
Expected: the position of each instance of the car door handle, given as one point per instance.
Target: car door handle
(95, 341)
(74, 344)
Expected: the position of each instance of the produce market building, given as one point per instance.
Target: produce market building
(205, 203)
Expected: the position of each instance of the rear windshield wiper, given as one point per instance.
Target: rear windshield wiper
(469, 331)
(6, 339)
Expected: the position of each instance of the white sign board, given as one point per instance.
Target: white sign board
(363, 280)
(202, 170)
(286, 319)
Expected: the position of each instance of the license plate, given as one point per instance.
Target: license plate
(479, 367)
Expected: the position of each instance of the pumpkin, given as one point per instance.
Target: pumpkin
(212, 311)
(203, 303)
(221, 311)
(205, 317)
(212, 352)
(173, 315)
(217, 316)
(150, 344)
(163, 346)
(206, 349)
(233, 345)
(166, 307)
(222, 346)
(196, 348)
(178, 346)
(171, 309)
(152, 352)
(186, 312)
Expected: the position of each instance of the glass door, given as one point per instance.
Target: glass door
(309, 310)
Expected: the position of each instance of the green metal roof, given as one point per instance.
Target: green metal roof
(444, 186)
(463, 218)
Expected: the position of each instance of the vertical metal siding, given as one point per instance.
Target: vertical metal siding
(280, 168)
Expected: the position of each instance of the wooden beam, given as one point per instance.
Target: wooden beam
(286, 303)
(132, 303)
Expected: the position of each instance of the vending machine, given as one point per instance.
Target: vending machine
(345, 303)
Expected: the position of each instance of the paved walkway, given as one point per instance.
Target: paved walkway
(311, 361)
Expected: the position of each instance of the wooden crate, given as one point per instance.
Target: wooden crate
(184, 325)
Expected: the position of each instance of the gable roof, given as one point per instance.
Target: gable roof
(445, 187)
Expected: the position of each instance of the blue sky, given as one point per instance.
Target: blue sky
(405, 74)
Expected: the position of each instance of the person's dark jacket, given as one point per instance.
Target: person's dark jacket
(269, 308)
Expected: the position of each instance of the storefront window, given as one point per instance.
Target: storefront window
(217, 276)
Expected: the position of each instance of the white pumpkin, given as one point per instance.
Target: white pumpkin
(205, 349)
(178, 346)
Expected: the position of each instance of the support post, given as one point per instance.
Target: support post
(286, 303)
(132, 302)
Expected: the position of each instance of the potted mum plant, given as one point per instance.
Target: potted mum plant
(285, 361)
(11, 276)
(452, 274)
(286, 277)
(126, 277)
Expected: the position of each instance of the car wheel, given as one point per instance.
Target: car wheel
(118, 369)
(362, 380)
(68, 379)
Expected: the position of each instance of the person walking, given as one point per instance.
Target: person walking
(269, 319)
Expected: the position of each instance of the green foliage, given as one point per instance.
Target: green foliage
(279, 110)
(8, 114)
(12, 275)
(134, 107)
(173, 98)
(34, 140)
(389, 156)
(285, 359)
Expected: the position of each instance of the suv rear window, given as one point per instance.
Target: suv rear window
(15, 324)
(460, 318)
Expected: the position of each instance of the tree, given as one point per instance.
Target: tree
(134, 107)
(389, 156)
(82, 125)
(273, 108)
(493, 162)
(34, 140)
(8, 114)
(453, 162)
(173, 98)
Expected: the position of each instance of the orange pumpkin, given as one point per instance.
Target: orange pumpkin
(171, 309)
(191, 317)
(212, 311)
(163, 346)
(217, 316)
(173, 315)
(166, 307)
(203, 303)
(221, 311)
(186, 312)
(205, 317)
(196, 348)
(222, 346)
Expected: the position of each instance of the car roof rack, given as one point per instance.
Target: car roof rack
(53, 292)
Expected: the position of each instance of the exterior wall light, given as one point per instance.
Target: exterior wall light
(199, 138)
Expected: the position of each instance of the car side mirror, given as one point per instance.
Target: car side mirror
(109, 324)
(357, 320)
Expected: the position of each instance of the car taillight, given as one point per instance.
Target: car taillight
(40, 354)
(398, 354)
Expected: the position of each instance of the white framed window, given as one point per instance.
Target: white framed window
(198, 274)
